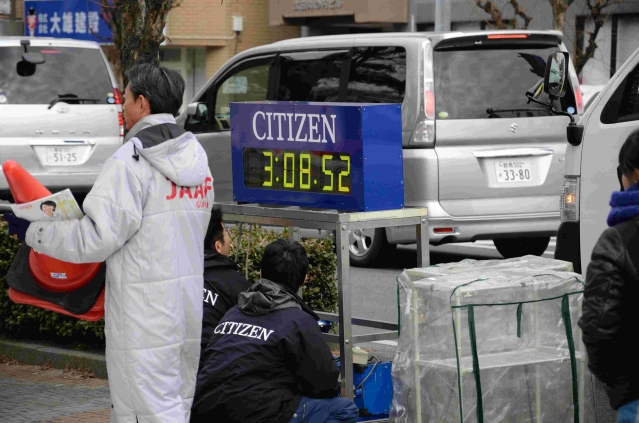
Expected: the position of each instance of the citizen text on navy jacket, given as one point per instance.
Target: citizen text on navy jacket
(265, 354)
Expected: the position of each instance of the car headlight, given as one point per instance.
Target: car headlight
(569, 199)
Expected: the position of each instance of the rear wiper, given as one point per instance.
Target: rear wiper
(59, 99)
(493, 112)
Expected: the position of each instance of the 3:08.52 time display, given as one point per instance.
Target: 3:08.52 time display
(305, 171)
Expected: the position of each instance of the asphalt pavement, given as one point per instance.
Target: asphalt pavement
(30, 394)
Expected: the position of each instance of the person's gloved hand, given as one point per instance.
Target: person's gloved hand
(17, 225)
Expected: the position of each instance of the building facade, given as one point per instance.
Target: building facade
(200, 35)
(203, 34)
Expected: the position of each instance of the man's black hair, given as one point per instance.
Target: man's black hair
(629, 154)
(162, 87)
(215, 231)
(285, 263)
(48, 203)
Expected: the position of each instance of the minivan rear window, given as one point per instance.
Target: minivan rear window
(67, 71)
(491, 83)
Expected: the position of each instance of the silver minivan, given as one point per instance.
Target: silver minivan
(60, 111)
(486, 164)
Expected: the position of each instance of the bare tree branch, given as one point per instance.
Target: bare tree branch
(595, 7)
(496, 15)
(521, 12)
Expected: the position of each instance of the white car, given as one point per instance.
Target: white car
(60, 111)
(589, 93)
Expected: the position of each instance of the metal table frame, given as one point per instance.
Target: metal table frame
(341, 223)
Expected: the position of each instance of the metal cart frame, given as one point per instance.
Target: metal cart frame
(341, 223)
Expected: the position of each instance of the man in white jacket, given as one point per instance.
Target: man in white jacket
(146, 215)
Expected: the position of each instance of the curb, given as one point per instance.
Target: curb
(37, 354)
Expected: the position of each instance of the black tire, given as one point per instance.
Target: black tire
(519, 247)
(368, 246)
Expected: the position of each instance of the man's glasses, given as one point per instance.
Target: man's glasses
(226, 231)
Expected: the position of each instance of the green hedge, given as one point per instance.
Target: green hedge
(35, 323)
(320, 290)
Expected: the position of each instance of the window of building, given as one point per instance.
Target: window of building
(310, 76)
(425, 27)
(170, 55)
(466, 26)
(377, 75)
(623, 106)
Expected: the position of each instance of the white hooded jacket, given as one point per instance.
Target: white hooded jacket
(147, 217)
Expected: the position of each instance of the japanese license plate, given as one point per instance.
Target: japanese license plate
(513, 171)
(62, 155)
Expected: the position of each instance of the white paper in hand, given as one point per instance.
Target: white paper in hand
(57, 207)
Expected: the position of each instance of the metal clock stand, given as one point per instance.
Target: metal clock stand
(341, 223)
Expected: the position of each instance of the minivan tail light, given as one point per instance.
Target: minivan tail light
(121, 122)
(569, 199)
(424, 134)
(579, 99)
(429, 100)
(117, 95)
(574, 79)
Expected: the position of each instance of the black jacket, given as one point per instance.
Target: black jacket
(610, 312)
(222, 285)
(266, 353)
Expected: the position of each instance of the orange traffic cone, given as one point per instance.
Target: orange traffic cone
(52, 276)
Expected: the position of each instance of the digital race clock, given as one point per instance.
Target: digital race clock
(320, 155)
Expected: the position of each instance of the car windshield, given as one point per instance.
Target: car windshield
(67, 71)
(468, 83)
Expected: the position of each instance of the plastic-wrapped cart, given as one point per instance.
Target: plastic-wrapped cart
(490, 341)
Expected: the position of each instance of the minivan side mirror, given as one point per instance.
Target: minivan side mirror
(556, 74)
(198, 110)
(554, 84)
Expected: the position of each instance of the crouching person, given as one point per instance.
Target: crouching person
(222, 281)
(267, 360)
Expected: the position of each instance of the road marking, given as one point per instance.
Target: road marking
(391, 343)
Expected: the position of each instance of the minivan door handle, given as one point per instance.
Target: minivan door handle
(513, 152)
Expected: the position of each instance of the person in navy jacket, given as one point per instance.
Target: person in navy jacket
(222, 281)
(267, 360)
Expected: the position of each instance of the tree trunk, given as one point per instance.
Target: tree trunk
(137, 27)
(560, 21)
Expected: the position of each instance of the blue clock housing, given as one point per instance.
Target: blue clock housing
(344, 156)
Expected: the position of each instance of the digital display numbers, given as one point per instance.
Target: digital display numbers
(305, 171)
